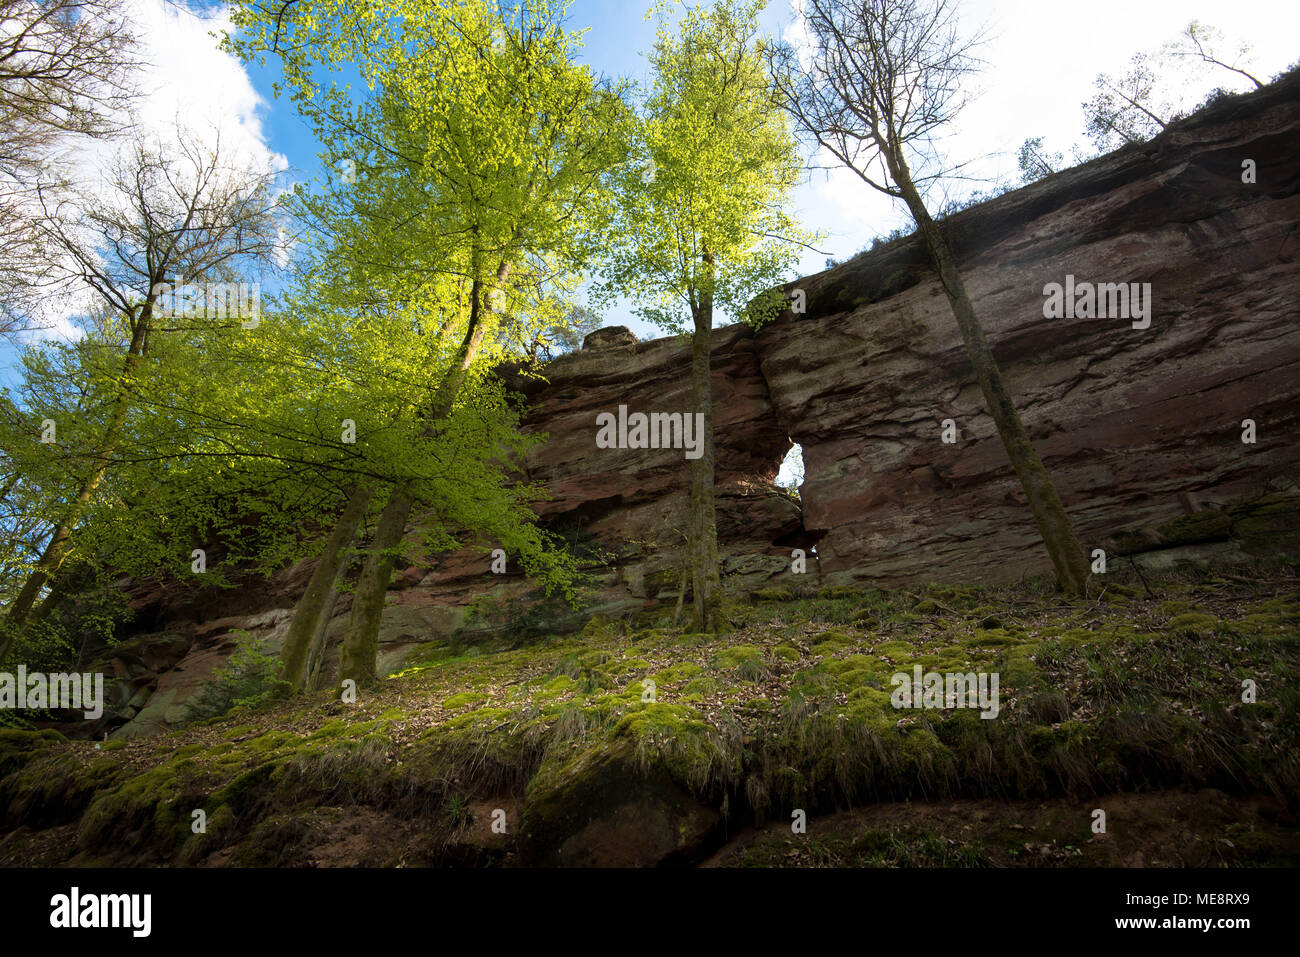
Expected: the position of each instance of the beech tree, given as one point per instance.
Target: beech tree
(703, 224)
(164, 212)
(476, 168)
(881, 77)
(66, 70)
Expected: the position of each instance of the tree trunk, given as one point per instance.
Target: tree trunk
(56, 549)
(703, 545)
(318, 600)
(1049, 512)
(316, 654)
(361, 639)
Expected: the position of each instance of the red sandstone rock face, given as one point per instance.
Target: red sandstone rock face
(1130, 422)
(632, 502)
(1125, 419)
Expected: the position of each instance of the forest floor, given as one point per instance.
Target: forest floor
(1170, 707)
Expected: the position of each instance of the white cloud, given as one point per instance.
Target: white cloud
(190, 78)
(190, 88)
(797, 33)
(1041, 60)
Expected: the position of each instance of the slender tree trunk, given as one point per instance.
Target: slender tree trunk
(318, 600)
(316, 654)
(1044, 502)
(56, 549)
(703, 545)
(301, 656)
(361, 639)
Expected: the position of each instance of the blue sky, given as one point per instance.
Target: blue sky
(1041, 61)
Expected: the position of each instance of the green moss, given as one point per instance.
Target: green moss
(271, 741)
(366, 728)
(557, 685)
(141, 806)
(703, 685)
(864, 698)
(828, 641)
(480, 718)
(681, 671)
(600, 628)
(220, 825)
(920, 742)
(1156, 706)
(1197, 527)
(838, 593)
(1065, 735)
(466, 699)
(627, 666)
(896, 651)
(1265, 624)
(1017, 672)
(746, 661)
(330, 729)
(1072, 637)
(1194, 623)
(18, 746)
(736, 655)
(992, 638)
(594, 659)
(772, 594)
(677, 737)
(837, 666)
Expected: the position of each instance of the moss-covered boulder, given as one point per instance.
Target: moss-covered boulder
(602, 808)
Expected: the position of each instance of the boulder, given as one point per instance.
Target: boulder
(602, 809)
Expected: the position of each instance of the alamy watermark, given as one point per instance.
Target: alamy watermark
(932, 689)
(79, 692)
(1103, 300)
(211, 300)
(656, 430)
(75, 909)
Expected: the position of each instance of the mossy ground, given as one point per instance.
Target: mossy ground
(1138, 692)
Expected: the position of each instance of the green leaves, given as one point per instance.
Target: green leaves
(702, 199)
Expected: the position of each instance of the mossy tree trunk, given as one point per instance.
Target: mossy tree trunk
(60, 543)
(318, 600)
(361, 640)
(316, 653)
